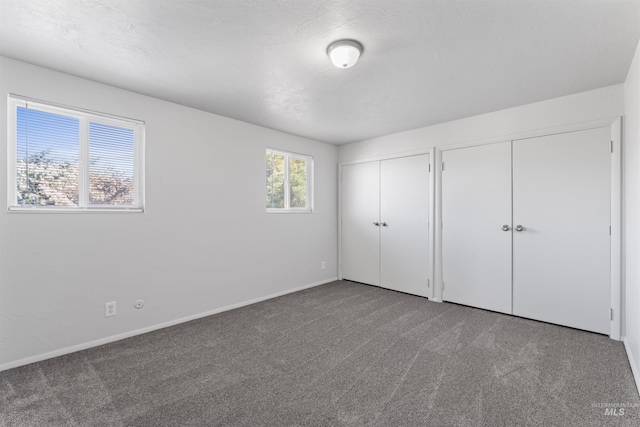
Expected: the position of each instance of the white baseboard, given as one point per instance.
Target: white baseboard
(101, 341)
(634, 367)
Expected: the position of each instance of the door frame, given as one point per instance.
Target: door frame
(432, 194)
(615, 126)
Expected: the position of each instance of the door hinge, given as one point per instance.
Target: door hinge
(609, 230)
(442, 165)
(429, 167)
(443, 285)
(611, 314)
(611, 146)
(428, 283)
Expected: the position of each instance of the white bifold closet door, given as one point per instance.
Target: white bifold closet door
(561, 258)
(526, 228)
(476, 205)
(360, 211)
(404, 231)
(385, 223)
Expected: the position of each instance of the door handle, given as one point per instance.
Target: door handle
(377, 224)
(384, 224)
(506, 228)
(519, 228)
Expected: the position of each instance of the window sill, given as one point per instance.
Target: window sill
(49, 210)
(289, 211)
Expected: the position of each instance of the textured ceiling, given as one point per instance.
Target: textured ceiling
(265, 62)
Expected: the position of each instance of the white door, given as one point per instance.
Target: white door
(476, 205)
(404, 220)
(360, 212)
(561, 259)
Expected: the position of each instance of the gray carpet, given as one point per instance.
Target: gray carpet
(341, 354)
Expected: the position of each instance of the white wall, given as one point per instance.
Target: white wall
(632, 214)
(203, 243)
(568, 110)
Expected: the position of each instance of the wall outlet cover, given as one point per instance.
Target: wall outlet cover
(110, 309)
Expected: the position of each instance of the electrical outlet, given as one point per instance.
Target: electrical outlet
(324, 265)
(110, 309)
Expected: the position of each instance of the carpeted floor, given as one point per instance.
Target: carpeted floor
(341, 354)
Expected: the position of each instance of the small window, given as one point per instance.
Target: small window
(289, 186)
(63, 159)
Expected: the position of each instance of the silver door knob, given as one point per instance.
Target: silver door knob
(518, 227)
(506, 228)
(384, 224)
(377, 224)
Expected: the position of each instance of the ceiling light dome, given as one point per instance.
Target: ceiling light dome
(344, 53)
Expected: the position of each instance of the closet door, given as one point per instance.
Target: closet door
(476, 233)
(404, 231)
(360, 207)
(561, 258)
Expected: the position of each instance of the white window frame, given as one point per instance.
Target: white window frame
(85, 117)
(287, 190)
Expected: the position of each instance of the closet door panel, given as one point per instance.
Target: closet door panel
(561, 260)
(476, 204)
(360, 210)
(404, 240)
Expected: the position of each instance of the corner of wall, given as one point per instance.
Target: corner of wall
(631, 212)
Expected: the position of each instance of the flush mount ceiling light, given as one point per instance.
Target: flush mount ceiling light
(344, 53)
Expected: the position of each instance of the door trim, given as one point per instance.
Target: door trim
(616, 229)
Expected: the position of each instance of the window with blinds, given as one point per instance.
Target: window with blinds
(64, 159)
(289, 182)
